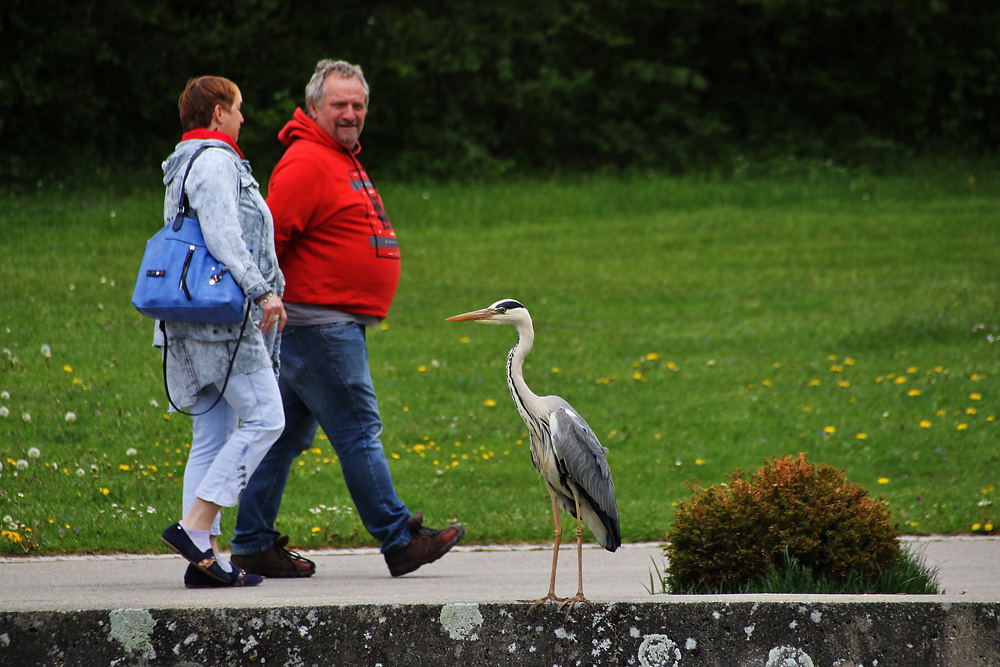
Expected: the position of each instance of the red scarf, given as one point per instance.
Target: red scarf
(212, 134)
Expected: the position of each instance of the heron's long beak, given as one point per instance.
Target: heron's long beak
(484, 314)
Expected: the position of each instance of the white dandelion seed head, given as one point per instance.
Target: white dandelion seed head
(7, 518)
(154, 403)
(4, 395)
(46, 351)
(26, 416)
(4, 412)
(1, 467)
(131, 451)
(34, 453)
(22, 464)
(71, 416)
(80, 472)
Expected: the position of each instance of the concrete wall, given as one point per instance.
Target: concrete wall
(745, 633)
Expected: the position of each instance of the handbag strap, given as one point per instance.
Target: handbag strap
(229, 371)
(183, 205)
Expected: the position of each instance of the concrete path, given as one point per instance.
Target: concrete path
(968, 570)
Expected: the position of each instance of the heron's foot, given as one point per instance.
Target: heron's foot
(569, 603)
(551, 597)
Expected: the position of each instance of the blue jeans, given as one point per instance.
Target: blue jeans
(325, 380)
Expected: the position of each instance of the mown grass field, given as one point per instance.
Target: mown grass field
(700, 324)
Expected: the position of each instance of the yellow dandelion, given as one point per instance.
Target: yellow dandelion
(941, 413)
(844, 384)
(406, 409)
(776, 364)
(900, 380)
(925, 423)
(68, 369)
(637, 375)
(962, 427)
(767, 383)
(384, 326)
(975, 377)
(913, 392)
(938, 369)
(970, 411)
(489, 402)
(976, 526)
(861, 436)
(105, 491)
(883, 480)
(830, 430)
(395, 455)
(421, 368)
(832, 357)
(652, 356)
(813, 383)
(699, 462)
(988, 527)
(848, 361)
(315, 529)
(672, 366)
(555, 369)
(124, 467)
(837, 368)
(975, 396)
(463, 339)
(911, 370)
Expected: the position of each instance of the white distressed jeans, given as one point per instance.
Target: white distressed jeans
(230, 440)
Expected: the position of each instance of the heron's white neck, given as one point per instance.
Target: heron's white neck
(523, 397)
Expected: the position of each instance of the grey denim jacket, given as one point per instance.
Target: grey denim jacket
(235, 221)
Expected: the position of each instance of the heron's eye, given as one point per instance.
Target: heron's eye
(501, 310)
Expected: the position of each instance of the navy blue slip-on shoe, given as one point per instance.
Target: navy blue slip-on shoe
(195, 578)
(178, 540)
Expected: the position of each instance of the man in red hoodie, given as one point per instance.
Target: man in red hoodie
(340, 258)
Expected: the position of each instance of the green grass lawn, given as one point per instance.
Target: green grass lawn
(699, 324)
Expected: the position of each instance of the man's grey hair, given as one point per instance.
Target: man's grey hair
(316, 88)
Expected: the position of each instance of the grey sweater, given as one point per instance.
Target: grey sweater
(239, 232)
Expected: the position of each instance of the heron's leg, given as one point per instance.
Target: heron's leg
(571, 602)
(555, 557)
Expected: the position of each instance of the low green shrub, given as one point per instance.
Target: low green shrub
(790, 514)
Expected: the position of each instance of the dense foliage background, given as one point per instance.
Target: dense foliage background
(481, 88)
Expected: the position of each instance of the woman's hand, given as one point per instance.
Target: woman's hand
(274, 312)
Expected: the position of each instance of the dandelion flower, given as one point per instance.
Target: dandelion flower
(900, 380)
(80, 472)
(925, 423)
(131, 451)
(124, 467)
(315, 529)
(976, 526)
(813, 383)
(68, 368)
(976, 396)
(463, 339)
(34, 453)
(913, 392)
(970, 411)
(988, 527)
(848, 361)
(699, 462)
(46, 351)
(883, 480)
(637, 375)
(71, 416)
(911, 370)
(844, 384)
(4, 412)
(4, 395)
(22, 464)
(421, 368)
(672, 366)
(830, 430)
(861, 436)
(489, 402)
(26, 417)
(962, 427)
(767, 383)
(652, 356)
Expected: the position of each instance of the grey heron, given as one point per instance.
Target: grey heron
(568, 456)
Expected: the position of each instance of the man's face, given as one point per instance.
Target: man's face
(342, 114)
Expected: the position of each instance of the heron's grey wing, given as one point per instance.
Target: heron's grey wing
(580, 454)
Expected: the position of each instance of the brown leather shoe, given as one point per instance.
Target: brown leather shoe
(275, 562)
(426, 546)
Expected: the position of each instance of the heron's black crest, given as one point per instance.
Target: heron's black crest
(506, 304)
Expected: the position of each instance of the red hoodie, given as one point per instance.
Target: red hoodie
(334, 241)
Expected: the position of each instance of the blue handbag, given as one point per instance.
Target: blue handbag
(179, 280)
